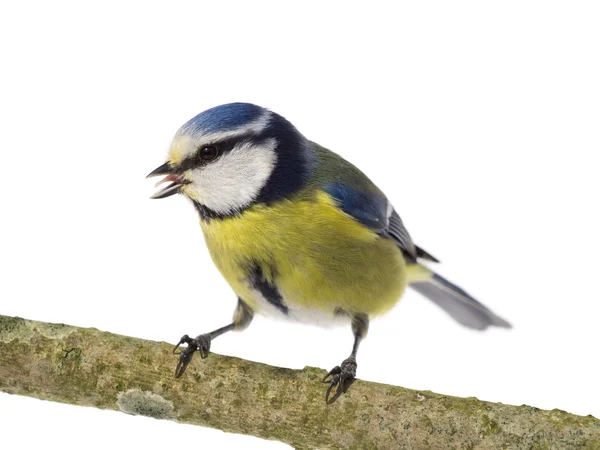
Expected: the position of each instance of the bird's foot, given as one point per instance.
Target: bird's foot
(199, 343)
(342, 377)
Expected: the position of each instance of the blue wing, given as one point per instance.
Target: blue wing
(373, 210)
(367, 208)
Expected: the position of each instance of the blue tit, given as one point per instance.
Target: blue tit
(298, 232)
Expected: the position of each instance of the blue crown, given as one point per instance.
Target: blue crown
(223, 118)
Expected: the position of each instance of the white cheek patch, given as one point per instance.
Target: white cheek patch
(234, 180)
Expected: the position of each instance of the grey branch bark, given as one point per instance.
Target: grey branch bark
(87, 367)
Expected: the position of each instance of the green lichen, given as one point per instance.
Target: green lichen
(563, 419)
(465, 406)
(68, 359)
(427, 423)
(145, 403)
(489, 426)
(54, 330)
(544, 445)
(10, 327)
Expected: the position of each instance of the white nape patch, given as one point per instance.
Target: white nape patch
(296, 314)
(194, 139)
(234, 180)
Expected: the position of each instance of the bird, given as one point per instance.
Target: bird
(298, 232)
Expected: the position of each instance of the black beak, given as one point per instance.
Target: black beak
(176, 181)
(165, 169)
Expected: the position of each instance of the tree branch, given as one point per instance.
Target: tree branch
(84, 366)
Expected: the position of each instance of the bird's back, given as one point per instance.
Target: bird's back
(330, 168)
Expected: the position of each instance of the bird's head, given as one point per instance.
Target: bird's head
(231, 156)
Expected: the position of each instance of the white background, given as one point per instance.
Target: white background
(480, 121)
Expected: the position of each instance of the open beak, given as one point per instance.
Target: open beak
(176, 181)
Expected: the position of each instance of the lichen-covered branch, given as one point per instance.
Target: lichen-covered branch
(88, 367)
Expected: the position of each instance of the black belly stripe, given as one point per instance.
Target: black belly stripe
(268, 290)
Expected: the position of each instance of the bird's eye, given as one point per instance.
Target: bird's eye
(209, 152)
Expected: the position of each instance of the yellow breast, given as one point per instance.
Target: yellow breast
(318, 257)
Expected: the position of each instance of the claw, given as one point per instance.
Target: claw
(185, 356)
(203, 352)
(334, 382)
(335, 371)
(185, 339)
(200, 343)
(182, 364)
(342, 377)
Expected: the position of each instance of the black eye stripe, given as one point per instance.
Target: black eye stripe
(199, 157)
(196, 160)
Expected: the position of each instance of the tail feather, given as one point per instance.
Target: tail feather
(422, 254)
(457, 303)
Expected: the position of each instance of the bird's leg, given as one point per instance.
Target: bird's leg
(200, 343)
(241, 319)
(343, 376)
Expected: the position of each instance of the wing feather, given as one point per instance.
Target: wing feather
(361, 199)
(398, 232)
